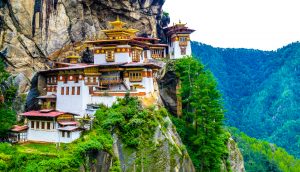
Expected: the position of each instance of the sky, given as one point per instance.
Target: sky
(258, 24)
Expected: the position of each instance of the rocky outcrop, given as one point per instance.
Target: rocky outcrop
(235, 156)
(165, 152)
(32, 30)
(167, 83)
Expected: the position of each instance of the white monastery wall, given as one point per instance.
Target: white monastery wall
(72, 103)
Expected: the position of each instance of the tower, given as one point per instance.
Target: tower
(178, 39)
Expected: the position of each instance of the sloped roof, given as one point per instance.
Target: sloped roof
(51, 114)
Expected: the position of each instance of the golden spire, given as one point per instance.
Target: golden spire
(117, 24)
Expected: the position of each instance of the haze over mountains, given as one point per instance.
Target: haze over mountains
(260, 89)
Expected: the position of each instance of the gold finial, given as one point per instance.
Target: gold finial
(118, 24)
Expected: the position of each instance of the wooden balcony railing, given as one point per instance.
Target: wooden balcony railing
(183, 43)
(109, 82)
(135, 79)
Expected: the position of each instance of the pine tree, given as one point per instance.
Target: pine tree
(203, 115)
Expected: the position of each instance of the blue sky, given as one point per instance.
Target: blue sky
(259, 24)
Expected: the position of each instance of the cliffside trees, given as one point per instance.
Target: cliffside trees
(7, 116)
(202, 115)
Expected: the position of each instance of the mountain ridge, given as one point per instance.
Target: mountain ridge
(260, 89)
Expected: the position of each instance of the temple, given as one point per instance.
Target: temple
(178, 39)
(121, 63)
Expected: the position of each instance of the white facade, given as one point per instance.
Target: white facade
(119, 57)
(53, 135)
(76, 104)
(68, 136)
(175, 50)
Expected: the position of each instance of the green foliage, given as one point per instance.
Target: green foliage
(7, 116)
(261, 90)
(201, 124)
(263, 156)
(7, 119)
(47, 157)
(129, 119)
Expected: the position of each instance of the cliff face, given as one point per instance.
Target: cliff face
(167, 89)
(31, 30)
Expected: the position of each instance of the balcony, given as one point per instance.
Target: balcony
(110, 82)
(185, 43)
(135, 79)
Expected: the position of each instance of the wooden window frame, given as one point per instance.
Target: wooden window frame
(62, 90)
(32, 124)
(63, 134)
(43, 125)
(135, 76)
(78, 90)
(110, 56)
(67, 90)
(48, 126)
(37, 124)
(73, 90)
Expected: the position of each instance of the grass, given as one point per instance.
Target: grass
(48, 149)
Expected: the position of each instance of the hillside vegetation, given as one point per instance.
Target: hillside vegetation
(261, 90)
(201, 123)
(261, 156)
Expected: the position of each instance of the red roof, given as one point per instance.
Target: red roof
(17, 128)
(43, 114)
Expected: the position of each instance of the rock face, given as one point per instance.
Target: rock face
(167, 89)
(166, 154)
(32, 30)
(235, 157)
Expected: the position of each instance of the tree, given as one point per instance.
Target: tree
(203, 115)
(7, 116)
(7, 119)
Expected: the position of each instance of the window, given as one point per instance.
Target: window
(182, 39)
(135, 76)
(73, 90)
(78, 90)
(110, 56)
(65, 79)
(136, 55)
(183, 50)
(43, 125)
(68, 134)
(67, 90)
(76, 79)
(94, 80)
(48, 125)
(32, 124)
(63, 134)
(37, 124)
(62, 91)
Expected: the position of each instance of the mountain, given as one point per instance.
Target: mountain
(32, 30)
(261, 90)
(264, 156)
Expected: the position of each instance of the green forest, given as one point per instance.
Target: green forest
(261, 156)
(7, 94)
(201, 125)
(261, 90)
